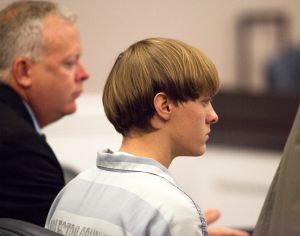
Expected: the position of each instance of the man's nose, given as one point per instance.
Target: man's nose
(213, 116)
(82, 73)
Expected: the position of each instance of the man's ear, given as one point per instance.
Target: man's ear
(21, 71)
(163, 105)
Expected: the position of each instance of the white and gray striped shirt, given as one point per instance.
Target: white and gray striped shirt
(125, 195)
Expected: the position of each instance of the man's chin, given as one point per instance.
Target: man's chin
(202, 150)
(70, 109)
(196, 153)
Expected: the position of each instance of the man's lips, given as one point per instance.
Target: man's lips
(77, 94)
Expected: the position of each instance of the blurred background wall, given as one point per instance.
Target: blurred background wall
(240, 36)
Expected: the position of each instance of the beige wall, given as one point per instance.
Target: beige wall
(108, 27)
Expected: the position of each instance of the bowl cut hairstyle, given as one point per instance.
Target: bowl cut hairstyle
(151, 66)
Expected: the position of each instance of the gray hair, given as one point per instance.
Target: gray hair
(21, 28)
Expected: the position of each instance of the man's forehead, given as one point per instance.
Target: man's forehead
(61, 44)
(57, 29)
(52, 20)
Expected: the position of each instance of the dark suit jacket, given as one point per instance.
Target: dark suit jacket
(280, 215)
(30, 175)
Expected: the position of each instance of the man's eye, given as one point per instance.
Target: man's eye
(206, 101)
(69, 64)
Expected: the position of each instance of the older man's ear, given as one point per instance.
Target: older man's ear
(21, 72)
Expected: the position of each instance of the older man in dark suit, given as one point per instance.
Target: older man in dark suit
(40, 78)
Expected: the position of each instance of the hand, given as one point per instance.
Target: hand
(211, 215)
(223, 231)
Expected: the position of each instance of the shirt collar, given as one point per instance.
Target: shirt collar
(33, 118)
(127, 162)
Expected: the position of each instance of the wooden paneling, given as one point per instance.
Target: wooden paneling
(254, 120)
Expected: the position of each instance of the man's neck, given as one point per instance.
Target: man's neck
(151, 145)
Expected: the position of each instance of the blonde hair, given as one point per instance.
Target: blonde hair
(151, 66)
